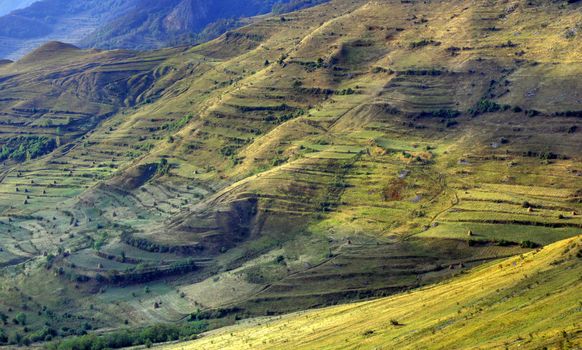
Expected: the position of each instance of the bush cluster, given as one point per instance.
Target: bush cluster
(23, 148)
(486, 106)
(146, 336)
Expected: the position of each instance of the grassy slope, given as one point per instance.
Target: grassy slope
(527, 302)
(321, 164)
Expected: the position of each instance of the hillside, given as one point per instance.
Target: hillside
(527, 302)
(347, 151)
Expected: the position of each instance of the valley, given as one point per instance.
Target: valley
(347, 151)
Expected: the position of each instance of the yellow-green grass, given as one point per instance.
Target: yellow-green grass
(526, 302)
(495, 232)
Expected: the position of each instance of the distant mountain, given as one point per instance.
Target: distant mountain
(130, 24)
(23, 30)
(7, 6)
(154, 23)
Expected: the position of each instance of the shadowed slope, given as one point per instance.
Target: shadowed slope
(527, 302)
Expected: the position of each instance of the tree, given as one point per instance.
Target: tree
(21, 318)
(163, 167)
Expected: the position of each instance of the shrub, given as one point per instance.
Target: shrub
(508, 44)
(21, 318)
(228, 150)
(179, 124)
(424, 42)
(451, 123)
(423, 72)
(213, 314)
(348, 91)
(441, 113)
(163, 167)
(473, 242)
(484, 106)
(517, 109)
(505, 243)
(570, 33)
(532, 113)
(43, 334)
(529, 244)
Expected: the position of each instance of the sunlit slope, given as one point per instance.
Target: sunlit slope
(351, 150)
(377, 123)
(528, 302)
(345, 97)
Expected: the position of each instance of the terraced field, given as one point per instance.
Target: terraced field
(347, 151)
(504, 304)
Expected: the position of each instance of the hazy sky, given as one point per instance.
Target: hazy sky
(11, 5)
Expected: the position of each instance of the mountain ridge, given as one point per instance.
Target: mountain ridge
(136, 24)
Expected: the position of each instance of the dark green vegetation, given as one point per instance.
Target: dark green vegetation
(307, 159)
(121, 339)
(26, 148)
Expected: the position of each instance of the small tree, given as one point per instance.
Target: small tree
(3, 337)
(163, 167)
(21, 318)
